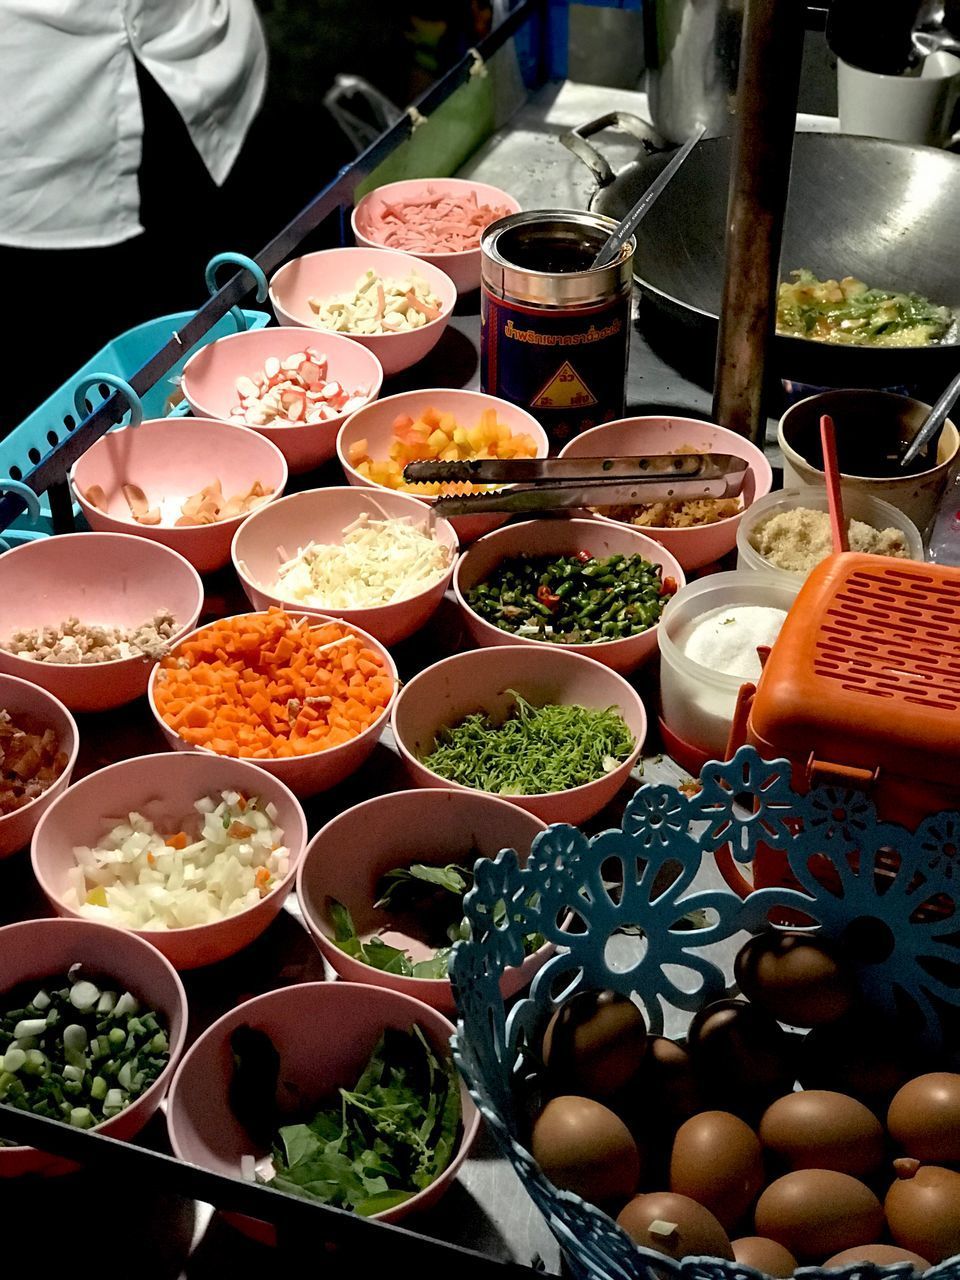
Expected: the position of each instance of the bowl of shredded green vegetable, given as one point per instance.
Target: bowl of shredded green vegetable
(553, 732)
(591, 586)
(93, 1020)
(341, 1093)
(381, 887)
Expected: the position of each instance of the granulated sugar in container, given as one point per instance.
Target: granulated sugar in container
(555, 333)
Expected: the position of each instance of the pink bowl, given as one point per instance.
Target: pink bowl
(374, 423)
(37, 950)
(112, 578)
(481, 680)
(463, 268)
(324, 1033)
(561, 537)
(170, 459)
(335, 271)
(321, 515)
(700, 544)
(321, 770)
(35, 709)
(79, 818)
(347, 857)
(210, 384)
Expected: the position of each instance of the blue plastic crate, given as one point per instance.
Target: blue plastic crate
(665, 838)
(46, 427)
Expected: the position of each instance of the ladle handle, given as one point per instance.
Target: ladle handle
(828, 439)
(933, 424)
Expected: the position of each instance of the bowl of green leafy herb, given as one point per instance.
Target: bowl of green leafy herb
(381, 887)
(553, 732)
(340, 1093)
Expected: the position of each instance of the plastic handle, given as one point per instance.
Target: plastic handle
(111, 380)
(236, 260)
(29, 496)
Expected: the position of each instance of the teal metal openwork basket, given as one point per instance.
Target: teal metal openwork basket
(855, 878)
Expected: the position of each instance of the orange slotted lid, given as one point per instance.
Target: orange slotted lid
(866, 670)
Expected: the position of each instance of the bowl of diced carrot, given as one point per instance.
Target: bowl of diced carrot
(439, 220)
(394, 304)
(306, 698)
(377, 442)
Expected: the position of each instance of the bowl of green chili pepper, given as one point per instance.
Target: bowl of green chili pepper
(587, 586)
(381, 887)
(551, 731)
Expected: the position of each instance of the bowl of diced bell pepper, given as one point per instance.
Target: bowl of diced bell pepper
(443, 424)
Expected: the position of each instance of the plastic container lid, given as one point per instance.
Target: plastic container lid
(857, 506)
(699, 702)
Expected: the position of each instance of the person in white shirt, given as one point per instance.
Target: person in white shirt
(120, 121)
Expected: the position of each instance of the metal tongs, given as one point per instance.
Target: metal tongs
(553, 484)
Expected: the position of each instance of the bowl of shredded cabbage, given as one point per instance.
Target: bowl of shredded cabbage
(377, 559)
(192, 851)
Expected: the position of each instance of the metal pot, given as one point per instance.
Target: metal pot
(886, 212)
(692, 51)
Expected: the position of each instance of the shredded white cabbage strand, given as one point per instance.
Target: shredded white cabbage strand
(233, 856)
(378, 562)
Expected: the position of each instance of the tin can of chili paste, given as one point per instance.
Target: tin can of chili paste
(554, 332)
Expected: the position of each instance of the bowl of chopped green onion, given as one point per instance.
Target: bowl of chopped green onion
(342, 1094)
(551, 731)
(390, 912)
(590, 586)
(92, 1024)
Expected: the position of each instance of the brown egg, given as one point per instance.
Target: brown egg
(582, 1146)
(799, 979)
(764, 1255)
(717, 1160)
(866, 1057)
(884, 1255)
(813, 1212)
(594, 1044)
(817, 1129)
(668, 1080)
(674, 1225)
(923, 1210)
(742, 1057)
(924, 1117)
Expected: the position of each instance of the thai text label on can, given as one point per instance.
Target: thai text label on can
(555, 333)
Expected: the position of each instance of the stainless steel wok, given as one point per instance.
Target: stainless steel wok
(886, 212)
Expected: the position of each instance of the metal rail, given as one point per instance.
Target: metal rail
(51, 470)
(324, 1231)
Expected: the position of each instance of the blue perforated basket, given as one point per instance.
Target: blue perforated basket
(48, 425)
(665, 839)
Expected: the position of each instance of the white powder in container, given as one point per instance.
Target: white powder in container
(726, 640)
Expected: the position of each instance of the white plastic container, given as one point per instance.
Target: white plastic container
(698, 703)
(856, 506)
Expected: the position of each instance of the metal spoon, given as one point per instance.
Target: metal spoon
(611, 247)
(937, 417)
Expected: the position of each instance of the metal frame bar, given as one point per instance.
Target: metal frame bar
(51, 470)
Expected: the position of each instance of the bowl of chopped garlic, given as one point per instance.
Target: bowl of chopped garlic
(86, 616)
(39, 741)
(696, 532)
(186, 482)
(394, 304)
(376, 559)
(787, 533)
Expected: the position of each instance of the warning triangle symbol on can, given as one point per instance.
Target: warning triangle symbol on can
(565, 390)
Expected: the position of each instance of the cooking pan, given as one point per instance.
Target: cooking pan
(885, 212)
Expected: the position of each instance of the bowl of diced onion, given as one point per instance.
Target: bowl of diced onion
(378, 560)
(101, 968)
(191, 851)
(394, 304)
(292, 387)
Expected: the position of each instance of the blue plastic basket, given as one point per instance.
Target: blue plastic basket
(665, 838)
(46, 427)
